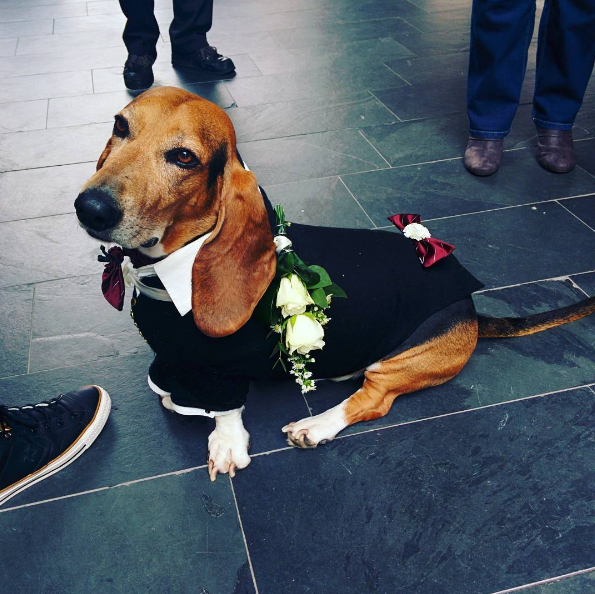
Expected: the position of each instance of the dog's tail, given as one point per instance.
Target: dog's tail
(510, 327)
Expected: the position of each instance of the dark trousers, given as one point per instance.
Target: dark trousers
(188, 31)
(501, 32)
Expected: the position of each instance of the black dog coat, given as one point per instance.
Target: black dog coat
(389, 294)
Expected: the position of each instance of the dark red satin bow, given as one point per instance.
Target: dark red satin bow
(112, 279)
(429, 251)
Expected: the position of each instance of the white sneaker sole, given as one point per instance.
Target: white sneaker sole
(84, 440)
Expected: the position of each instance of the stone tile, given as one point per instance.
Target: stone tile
(93, 109)
(8, 47)
(586, 282)
(313, 155)
(24, 28)
(23, 116)
(586, 115)
(110, 79)
(69, 42)
(431, 69)
(142, 439)
(557, 359)
(321, 114)
(503, 493)
(424, 100)
(41, 192)
(585, 155)
(46, 248)
(193, 528)
(320, 82)
(519, 245)
(324, 202)
(445, 188)
(344, 32)
(73, 324)
(43, 86)
(436, 40)
(577, 584)
(36, 13)
(44, 148)
(16, 306)
(69, 62)
(583, 208)
(444, 8)
(357, 54)
(104, 22)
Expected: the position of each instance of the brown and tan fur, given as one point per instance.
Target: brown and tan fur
(237, 262)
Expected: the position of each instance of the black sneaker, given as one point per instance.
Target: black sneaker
(38, 440)
(138, 72)
(206, 58)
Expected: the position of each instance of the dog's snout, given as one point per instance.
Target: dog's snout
(97, 210)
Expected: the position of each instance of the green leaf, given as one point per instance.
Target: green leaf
(275, 350)
(319, 297)
(285, 264)
(265, 310)
(335, 291)
(309, 276)
(325, 279)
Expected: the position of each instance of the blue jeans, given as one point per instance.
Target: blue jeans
(501, 32)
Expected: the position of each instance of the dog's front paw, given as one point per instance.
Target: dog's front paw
(311, 431)
(228, 449)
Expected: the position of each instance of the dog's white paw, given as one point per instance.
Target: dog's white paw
(311, 431)
(228, 445)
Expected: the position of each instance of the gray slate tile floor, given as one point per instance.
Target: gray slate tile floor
(347, 112)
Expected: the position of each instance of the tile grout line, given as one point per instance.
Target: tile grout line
(551, 580)
(235, 500)
(289, 448)
(31, 330)
(379, 153)
(576, 216)
(396, 73)
(462, 412)
(100, 489)
(356, 201)
(386, 106)
(542, 280)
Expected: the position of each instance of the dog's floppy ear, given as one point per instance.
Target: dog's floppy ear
(236, 264)
(104, 155)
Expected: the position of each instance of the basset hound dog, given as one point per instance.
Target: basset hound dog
(171, 189)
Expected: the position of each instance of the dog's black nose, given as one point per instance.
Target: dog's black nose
(97, 210)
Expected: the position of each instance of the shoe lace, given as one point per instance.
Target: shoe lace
(144, 61)
(210, 49)
(31, 415)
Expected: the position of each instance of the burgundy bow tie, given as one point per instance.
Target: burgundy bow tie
(112, 279)
(429, 250)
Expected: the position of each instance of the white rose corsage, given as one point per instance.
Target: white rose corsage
(294, 306)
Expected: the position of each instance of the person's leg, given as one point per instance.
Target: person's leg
(140, 37)
(193, 19)
(565, 58)
(188, 32)
(141, 31)
(501, 32)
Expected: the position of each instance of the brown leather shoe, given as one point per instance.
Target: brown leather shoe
(482, 156)
(555, 150)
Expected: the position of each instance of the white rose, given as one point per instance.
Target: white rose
(281, 242)
(416, 231)
(303, 335)
(293, 297)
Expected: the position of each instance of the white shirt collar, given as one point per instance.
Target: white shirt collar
(175, 272)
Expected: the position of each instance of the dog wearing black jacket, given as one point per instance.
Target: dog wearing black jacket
(172, 191)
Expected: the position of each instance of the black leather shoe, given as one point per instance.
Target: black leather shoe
(138, 72)
(483, 157)
(206, 58)
(555, 150)
(38, 440)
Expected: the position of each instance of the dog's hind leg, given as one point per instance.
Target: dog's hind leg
(430, 362)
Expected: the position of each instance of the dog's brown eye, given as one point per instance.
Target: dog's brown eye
(182, 158)
(121, 127)
(185, 157)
